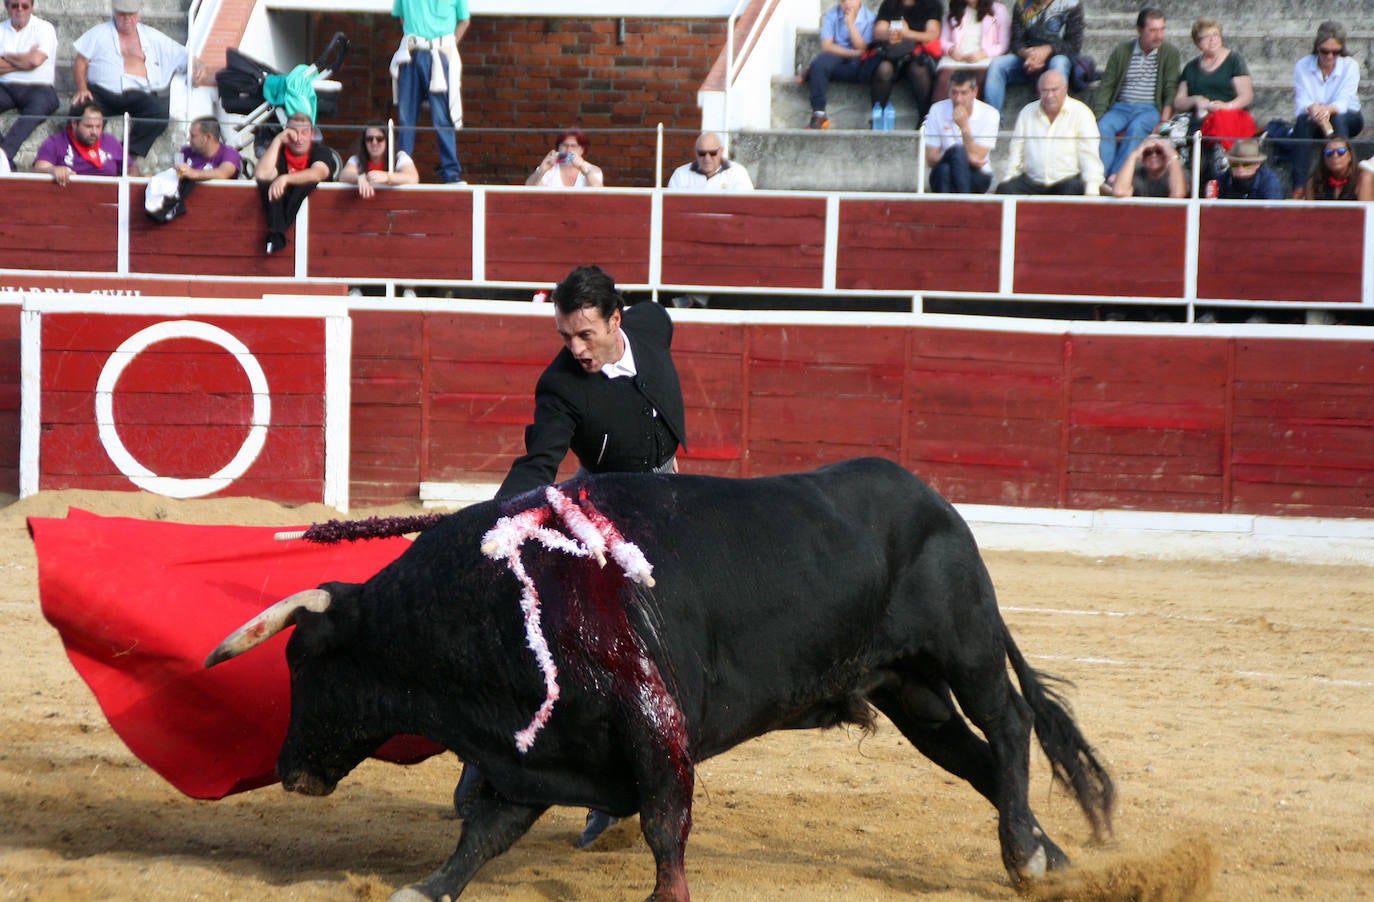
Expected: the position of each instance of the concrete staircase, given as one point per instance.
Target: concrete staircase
(72, 18)
(1270, 34)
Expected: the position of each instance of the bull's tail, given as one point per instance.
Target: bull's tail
(1074, 761)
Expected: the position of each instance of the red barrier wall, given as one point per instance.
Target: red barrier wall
(1034, 419)
(182, 407)
(1306, 254)
(9, 398)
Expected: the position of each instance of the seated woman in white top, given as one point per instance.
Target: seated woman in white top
(565, 166)
(368, 168)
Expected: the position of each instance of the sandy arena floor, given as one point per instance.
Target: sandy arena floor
(1233, 700)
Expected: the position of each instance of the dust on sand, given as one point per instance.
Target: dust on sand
(1232, 700)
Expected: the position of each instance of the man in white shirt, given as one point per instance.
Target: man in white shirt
(1054, 146)
(960, 134)
(711, 171)
(127, 67)
(28, 50)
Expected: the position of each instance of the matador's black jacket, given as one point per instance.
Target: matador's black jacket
(624, 425)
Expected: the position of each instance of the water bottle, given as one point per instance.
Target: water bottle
(877, 117)
(889, 118)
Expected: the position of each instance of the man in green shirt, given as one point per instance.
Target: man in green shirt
(427, 66)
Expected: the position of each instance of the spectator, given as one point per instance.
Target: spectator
(1335, 176)
(1326, 87)
(82, 148)
(971, 37)
(288, 170)
(565, 167)
(28, 65)
(127, 67)
(204, 158)
(1248, 178)
(369, 167)
(1216, 91)
(1136, 93)
(1152, 169)
(4, 164)
(906, 38)
(1054, 145)
(1364, 187)
(1045, 34)
(960, 133)
(427, 67)
(846, 32)
(712, 170)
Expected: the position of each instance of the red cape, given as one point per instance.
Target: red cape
(140, 604)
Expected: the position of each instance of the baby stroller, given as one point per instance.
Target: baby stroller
(245, 86)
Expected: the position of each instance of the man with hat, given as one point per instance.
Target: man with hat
(127, 67)
(1247, 178)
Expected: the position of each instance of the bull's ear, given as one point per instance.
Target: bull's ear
(323, 631)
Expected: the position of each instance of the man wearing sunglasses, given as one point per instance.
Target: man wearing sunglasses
(710, 171)
(28, 53)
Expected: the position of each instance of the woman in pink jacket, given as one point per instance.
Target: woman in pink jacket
(974, 32)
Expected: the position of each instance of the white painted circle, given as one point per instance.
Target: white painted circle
(141, 476)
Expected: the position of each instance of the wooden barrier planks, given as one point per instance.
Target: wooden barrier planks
(822, 394)
(540, 235)
(481, 373)
(9, 397)
(1105, 248)
(921, 246)
(387, 410)
(1148, 423)
(222, 234)
(71, 229)
(745, 241)
(1304, 416)
(399, 233)
(1284, 253)
(984, 415)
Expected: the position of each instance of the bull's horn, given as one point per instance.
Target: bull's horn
(268, 624)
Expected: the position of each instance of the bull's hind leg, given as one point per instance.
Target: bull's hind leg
(490, 827)
(998, 769)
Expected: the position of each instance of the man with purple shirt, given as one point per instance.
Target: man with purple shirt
(205, 157)
(82, 148)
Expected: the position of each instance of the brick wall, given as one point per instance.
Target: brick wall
(527, 77)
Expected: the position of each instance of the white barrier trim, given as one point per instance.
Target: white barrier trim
(338, 412)
(30, 399)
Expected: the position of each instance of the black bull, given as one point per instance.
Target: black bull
(778, 603)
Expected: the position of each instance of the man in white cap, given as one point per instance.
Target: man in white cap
(127, 67)
(28, 55)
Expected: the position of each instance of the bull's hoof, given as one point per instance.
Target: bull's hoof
(1046, 857)
(598, 822)
(411, 894)
(1034, 867)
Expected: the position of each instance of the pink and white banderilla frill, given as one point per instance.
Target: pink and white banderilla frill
(589, 534)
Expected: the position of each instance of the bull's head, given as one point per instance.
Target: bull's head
(326, 737)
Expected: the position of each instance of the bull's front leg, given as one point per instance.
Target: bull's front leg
(491, 827)
(666, 779)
